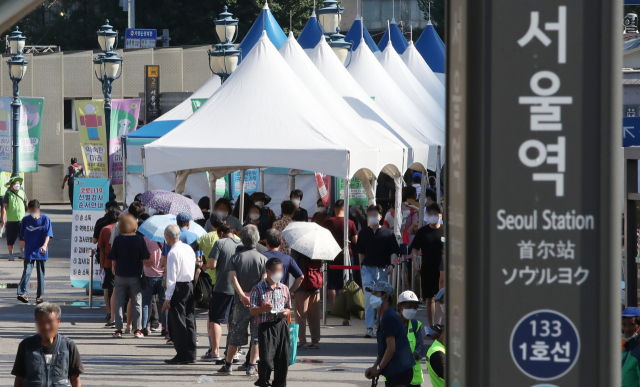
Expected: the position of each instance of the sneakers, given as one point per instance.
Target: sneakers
(145, 331)
(138, 334)
(127, 331)
(346, 323)
(117, 334)
(226, 369)
(110, 325)
(169, 341)
(23, 298)
(369, 333)
(252, 370)
(209, 358)
(156, 329)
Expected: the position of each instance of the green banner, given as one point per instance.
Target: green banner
(357, 194)
(29, 133)
(197, 102)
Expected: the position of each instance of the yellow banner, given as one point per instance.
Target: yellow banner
(93, 136)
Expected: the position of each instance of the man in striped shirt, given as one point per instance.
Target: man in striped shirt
(271, 304)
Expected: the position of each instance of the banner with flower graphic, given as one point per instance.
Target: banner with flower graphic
(28, 134)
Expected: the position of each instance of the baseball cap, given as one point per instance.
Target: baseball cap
(183, 217)
(631, 312)
(380, 287)
(407, 296)
(440, 296)
(417, 175)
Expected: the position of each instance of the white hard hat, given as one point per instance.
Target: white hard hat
(407, 296)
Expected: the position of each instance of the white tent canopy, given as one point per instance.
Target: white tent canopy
(392, 153)
(400, 73)
(423, 73)
(339, 78)
(262, 116)
(184, 109)
(373, 78)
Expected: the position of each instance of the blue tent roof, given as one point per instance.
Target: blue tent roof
(311, 34)
(274, 32)
(155, 129)
(398, 40)
(356, 32)
(431, 47)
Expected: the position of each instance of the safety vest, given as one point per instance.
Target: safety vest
(435, 379)
(16, 206)
(417, 369)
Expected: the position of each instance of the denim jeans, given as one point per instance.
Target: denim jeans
(129, 286)
(371, 275)
(23, 286)
(155, 287)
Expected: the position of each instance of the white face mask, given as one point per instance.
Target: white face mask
(16, 186)
(296, 202)
(276, 277)
(433, 219)
(35, 215)
(373, 220)
(629, 338)
(254, 216)
(222, 214)
(322, 210)
(260, 204)
(409, 314)
(375, 301)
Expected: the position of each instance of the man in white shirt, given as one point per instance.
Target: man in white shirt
(181, 265)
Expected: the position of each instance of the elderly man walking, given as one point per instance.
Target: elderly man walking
(181, 265)
(246, 270)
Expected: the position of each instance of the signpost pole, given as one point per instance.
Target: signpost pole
(524, 219)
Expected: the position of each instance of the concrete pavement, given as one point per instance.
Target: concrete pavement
(341, 360)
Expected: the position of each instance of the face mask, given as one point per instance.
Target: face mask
(254, 216)
(260, 204)
(433, 219)
(276, 277)
(373, 220)
(322, 210)
(629, 338)
(221, 214)
(34, 215)
(16, 186)
(296, 202)
(375, 301)
(409, 314)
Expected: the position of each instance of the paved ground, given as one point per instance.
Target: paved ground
(341, 360)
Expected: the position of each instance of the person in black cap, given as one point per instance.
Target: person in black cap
(395, 360)
(267, 216)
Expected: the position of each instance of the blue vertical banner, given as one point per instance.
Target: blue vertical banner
(251, 182)
(90, 196)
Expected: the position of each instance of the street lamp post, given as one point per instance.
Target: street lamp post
(329, 17)
(107, 67)
(224, 59)
(17, 69)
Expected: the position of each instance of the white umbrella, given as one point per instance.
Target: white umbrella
(312, 240)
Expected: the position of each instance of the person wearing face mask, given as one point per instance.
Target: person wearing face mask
(408, 304)
(631, 348)
(223, 209)
(267, 216)
(253, 217)
(378, 249)
(395, 360)
(14, 208)
(321, 213)
(428, 240)
(35, 232)
(270, 306)
(300, 215)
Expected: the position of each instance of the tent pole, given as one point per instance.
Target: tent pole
(261, 182)
(212, 189)
(324, 294)
(423, 197)
(397, 222)
(347, 258)
(374, 186)
(241, 212)
(291, 184)
(123, 149)
(438, 171)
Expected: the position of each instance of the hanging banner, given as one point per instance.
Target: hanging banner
(28, 134)
(251, 180)
(357, 195)
(124, 120)
(197, 102)
(93, 136)
(323, 190)
(89, 199)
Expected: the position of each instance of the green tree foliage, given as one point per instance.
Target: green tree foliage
(71, 24)
(437, 15)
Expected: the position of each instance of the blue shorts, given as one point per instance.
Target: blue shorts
(219, 307)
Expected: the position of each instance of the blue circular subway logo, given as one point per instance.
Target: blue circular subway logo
(545, 345)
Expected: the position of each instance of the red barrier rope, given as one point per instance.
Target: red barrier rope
(341, 267)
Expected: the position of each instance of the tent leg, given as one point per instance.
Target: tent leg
(261, 182)
(212, 189)
(324, 294)
(347, 258)
(423, 197)
(374, 187)
(291, 183)
(438, 171)
(241, 212)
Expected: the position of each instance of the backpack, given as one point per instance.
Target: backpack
(74, 172)
(202, 290)
(312, 275)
